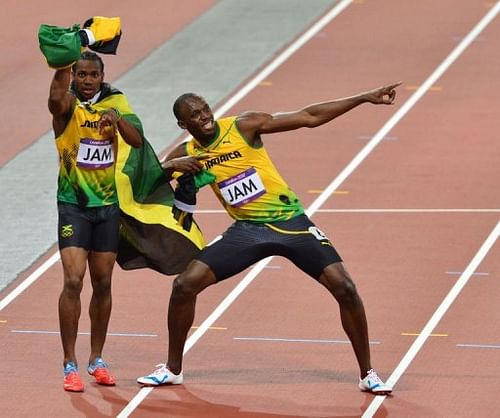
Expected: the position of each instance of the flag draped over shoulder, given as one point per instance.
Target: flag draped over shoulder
(150, 234)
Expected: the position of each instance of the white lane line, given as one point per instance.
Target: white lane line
(109, 334)
(387, 210)
(54, 258)
(495, 346)
(436, 317)
(387, 138)
(334, 12)
(297, 340)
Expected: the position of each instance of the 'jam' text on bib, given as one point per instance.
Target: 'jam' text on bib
(242, 188)
(94, 154)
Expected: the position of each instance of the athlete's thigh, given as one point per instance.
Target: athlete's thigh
(74, 227)
(101, 265)
(311, 251)
(240, 246)
(74, 263)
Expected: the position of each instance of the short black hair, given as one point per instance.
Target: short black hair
(180, 100)
(89, 56)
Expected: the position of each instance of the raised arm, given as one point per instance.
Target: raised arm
(60, 99)
(252, 124)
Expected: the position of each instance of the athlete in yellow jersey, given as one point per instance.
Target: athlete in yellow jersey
(87, 121)
(269, 219)
(247, 183)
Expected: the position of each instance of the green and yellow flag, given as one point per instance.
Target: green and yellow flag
(150, 234)
(153, 232)
(62, 46)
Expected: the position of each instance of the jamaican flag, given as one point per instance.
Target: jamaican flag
(62, 46)
(154, 233)
(150, 234)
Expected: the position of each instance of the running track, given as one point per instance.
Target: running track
(406, 193)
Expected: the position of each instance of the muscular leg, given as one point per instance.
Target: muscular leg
(181, 309)
(74, 262)
(352, 312)
(101, 267)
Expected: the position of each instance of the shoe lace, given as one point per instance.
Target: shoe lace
(70, 368)
(373, 377)
(160, 369)
(99, 363)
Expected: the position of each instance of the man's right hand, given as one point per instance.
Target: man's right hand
(186, 164)
(382, 95)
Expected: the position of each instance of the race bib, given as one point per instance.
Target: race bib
(242, 188)
(94, 154)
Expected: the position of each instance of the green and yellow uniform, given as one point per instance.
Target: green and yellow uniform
(87, 158)
(246, 181)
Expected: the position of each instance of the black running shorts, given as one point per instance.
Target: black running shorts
(245, 243)
(95, 229)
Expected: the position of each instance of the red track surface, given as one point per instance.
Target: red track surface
(442, 155)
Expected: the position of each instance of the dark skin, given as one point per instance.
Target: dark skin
(197, 118)
(87, 78)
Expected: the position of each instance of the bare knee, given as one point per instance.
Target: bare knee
(73, 285)
(192, 281)
(101, 286)
(339, 283)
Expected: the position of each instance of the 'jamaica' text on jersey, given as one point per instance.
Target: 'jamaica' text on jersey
(222, 158)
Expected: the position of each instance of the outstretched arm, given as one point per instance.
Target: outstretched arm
(252, 124)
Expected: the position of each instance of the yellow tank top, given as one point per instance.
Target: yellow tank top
(87, 158)
(247, 182)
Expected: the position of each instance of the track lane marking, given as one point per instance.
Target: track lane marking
(387, 210)
(462, 281)
(109, 334)
(436, 317)
(495, 346)
(32, 278)
(298, 340)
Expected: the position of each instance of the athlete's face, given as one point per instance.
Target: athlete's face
(197, 117)
(87, 78)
